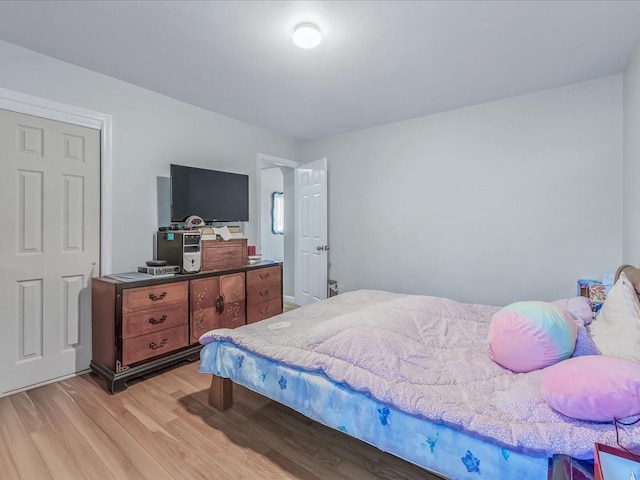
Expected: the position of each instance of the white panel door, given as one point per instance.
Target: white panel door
(311, 232)
(49, 247)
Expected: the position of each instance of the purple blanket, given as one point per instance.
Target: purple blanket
(426, 356)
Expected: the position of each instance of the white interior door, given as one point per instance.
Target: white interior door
(311, 232)
(50, 211)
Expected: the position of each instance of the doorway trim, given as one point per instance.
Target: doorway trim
(264, 160)
(62, 112)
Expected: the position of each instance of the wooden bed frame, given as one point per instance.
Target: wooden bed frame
(221, 393)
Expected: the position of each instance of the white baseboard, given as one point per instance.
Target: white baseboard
(289, 299)
(42, 384)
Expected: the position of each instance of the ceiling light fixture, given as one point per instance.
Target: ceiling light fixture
(306, 35)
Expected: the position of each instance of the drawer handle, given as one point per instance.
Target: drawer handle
(156, 321)
(264, 293)
(264, 276)
(155, 297)
(154, 345)
(265, 310)
(220, 304)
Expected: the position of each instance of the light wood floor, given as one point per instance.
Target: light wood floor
(288, 306)
(162, 428)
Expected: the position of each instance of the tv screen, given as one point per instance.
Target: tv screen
(215, 196)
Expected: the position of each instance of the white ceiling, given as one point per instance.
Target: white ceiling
(379, 62)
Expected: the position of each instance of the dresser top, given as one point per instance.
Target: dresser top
(179, 277)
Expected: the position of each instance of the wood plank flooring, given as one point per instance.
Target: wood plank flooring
(161, 427)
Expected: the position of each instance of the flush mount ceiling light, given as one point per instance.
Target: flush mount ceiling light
(306, 35)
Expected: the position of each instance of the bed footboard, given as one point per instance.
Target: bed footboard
(221, 393)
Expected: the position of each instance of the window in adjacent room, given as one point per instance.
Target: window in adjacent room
(277, 213)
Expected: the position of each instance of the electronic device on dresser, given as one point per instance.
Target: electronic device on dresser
(180, 248)
(160, 270)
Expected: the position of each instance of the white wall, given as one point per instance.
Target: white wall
(272, 246)
(493, 203)
(150, 131)
(631, 164)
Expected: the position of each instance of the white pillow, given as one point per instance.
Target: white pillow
(616, 329)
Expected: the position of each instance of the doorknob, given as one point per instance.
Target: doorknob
(322, 247)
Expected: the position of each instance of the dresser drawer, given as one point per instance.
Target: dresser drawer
(255, 313)
(263, 293)
(263, 276)
(154, 319)
(143, 298)
(150, 345)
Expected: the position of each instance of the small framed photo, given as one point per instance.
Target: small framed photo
(612, 463)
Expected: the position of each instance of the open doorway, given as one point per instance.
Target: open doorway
(277, 175)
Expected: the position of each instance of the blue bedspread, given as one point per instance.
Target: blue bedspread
(439, 448)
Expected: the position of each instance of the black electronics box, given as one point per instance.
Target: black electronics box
(163, 270)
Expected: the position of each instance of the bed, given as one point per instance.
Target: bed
(410, 375)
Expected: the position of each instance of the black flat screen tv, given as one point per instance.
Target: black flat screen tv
(213, 195)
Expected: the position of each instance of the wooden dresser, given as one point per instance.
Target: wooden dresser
(141, 326)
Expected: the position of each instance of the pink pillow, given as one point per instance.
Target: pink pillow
(595, 387)
(527, 336)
